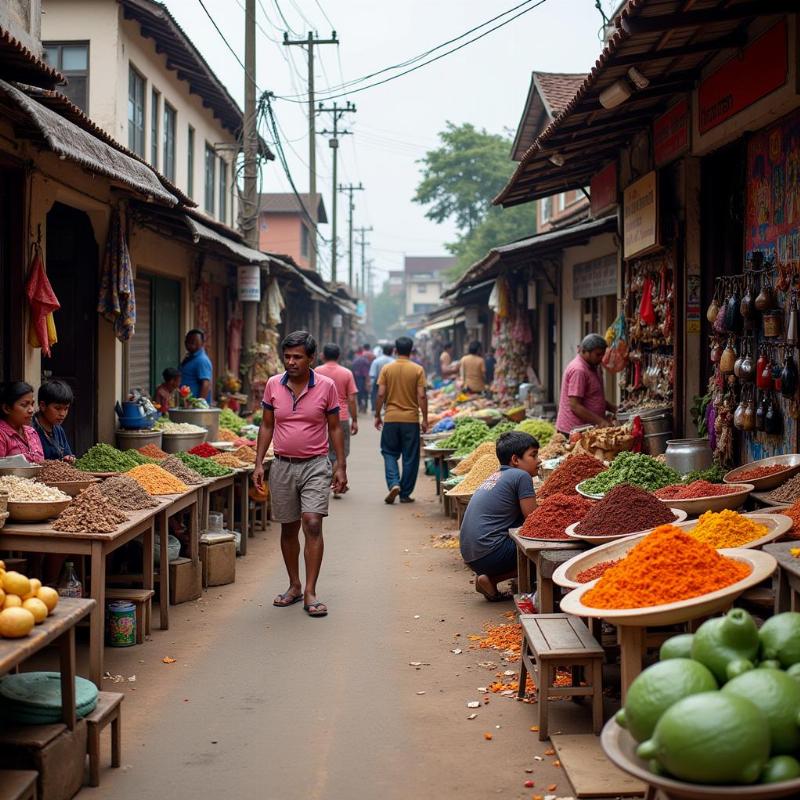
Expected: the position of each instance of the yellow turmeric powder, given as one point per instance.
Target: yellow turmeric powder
(726, 529)
(483, 449)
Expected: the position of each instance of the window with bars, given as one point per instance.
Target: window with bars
(170, 120)
(190, 161)
(72, 60)
(154, 116)
(223, 190)
(135, 112)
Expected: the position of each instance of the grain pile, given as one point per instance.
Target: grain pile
(229, 460)
(225, 435)
(59, 472)
(89, 512)
(168, 426)
(24, 490)
(176, 467)
(484, 467)
(483, 449)
(246, 454)
(125, 493)
(155, 480)
(789, 492)
(153, 451)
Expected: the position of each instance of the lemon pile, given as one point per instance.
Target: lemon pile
(24, 603)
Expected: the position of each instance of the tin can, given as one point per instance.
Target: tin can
(120, 624)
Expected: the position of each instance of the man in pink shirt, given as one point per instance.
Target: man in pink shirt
(583, 399)
(348, 393)
(301, 412)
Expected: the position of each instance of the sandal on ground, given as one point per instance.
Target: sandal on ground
(316, 609)
(500, 597)
(286, 599)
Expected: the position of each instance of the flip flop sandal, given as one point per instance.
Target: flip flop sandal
(286, 597)
(500, 597)
(318, 613)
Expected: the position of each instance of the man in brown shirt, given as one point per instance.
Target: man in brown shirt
(401, 388)
(472, 369)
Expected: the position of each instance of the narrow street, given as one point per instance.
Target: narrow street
(267, 703)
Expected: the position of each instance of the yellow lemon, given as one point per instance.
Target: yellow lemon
(36, 584)
(12, 601)
(37, 608)
(2, 598)
(15, 583)
(2, 565)
(49, 597)
(16, 622)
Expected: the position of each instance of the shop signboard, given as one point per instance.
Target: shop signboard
(640, 216)
(671, 133)
(249, 284)
(336, 321)
(759, 69)
(603, 189)
(595, 278)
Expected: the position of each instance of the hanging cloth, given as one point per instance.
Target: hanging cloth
(275, 303)
(117, 301)
(43, 302)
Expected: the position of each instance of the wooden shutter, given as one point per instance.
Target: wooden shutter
(139, 348)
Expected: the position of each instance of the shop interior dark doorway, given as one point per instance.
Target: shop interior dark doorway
(72, 266)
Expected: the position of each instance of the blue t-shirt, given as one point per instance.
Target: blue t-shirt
(493, 509)
(55, 444)
(194, 369)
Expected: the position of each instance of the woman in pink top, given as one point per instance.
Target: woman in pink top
(17, 436)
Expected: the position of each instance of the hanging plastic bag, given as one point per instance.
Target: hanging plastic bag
(646, 311)
(615, 359)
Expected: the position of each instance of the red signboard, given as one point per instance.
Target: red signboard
(761, 68)
(671, 133)
(603, 189)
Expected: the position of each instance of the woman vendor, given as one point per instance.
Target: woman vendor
(17, 437)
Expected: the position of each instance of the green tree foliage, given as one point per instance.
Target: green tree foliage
(459, 181)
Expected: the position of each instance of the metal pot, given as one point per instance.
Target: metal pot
(180, 442)
(137, 439)
(207, 418)
(688, 455)
(658, 422)
(656, 443)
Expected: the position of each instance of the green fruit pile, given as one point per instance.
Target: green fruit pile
(636, 469)
(722, 707)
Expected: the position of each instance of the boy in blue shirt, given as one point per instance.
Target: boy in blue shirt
(502, 501)
(196, 370)
(55, 397)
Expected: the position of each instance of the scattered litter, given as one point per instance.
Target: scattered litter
(472, 716)
(538, 758)
(414, 663)
(488, 736)
(528, 784)
(420, 692)
(474, 704)
(550, 752)
(535, 728)
(132, 679)
(416, 616)
(168, 660)
(482, 689)
(510, 672)
(457, 651)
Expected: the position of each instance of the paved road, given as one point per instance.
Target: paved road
(267, 703)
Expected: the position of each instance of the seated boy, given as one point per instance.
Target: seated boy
(164, 393)
(502, 501)
(55, 397)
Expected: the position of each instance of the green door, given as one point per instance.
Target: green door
(165, 345)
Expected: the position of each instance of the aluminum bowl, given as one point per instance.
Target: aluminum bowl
(180, 442)
(22, 472)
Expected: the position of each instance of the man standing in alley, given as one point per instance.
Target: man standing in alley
(375, 370)
(301, 413)
(360, 368)
(196, 370)
(472, 370)
(448, 368)
(346, 389)
(401, 388)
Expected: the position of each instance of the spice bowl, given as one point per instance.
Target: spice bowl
(72, 488)
(36, 511)
(699, 505)
(579, 489)
(791, 461)
(680, 516)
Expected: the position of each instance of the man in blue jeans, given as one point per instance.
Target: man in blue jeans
(401, 388)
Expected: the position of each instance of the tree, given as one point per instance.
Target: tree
(459, 181)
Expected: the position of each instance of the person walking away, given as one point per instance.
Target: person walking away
(301, 413)
(347, 392)
(490, 363)
(401, 388)
(501, 502)
(17, 436)
(55, 398)
(472, 370)
(360, 369)
(583, 399)
(165, 392)
(375, 370)
(196, 368)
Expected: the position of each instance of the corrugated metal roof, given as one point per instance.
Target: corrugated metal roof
(234, 248)
(413, 265)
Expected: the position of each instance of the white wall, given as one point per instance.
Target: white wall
(432, 294)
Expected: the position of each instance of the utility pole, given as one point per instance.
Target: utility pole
(363, 244)
(349, 189)
(336, 112)
(309, 42)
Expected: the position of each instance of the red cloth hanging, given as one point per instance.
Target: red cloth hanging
(42, 300)
(646, 310)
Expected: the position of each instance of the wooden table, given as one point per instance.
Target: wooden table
(786, 580)
(461, 503)
(440, 463)
(40, 537)
(242, 478)
(529, 554)
(213, 485)
(57, 629)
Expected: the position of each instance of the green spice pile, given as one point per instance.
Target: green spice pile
(636, 469)
(204, 466)
(140, 458)
(713, 474)
(231, 420)
(467, 437)
(104, 458)
(496, 432)
(540, 429)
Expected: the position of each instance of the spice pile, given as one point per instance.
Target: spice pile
(760, 472)
(696, 489)
(140, 458)
(176, 467)
(246, 454)
(592, 573)
(167, 426)
(89, 512)
(506, 638)
(229, 460)
(727, 529)
(540, 429)
(467, 436)
(625, 509)
(568, 474)
(155, 480)
(483, 449)
(125, 493)
(153, 451)
(230, 420)
(483, 468)
(204, 466)
(793, 512)
(789, 492)
(204, 450)
(556, 447)
(635, 469)
(24, 490)
(59, 472)
(225, 435)
(713, 474)
(105, 458)
(667, 566)
(555, 513)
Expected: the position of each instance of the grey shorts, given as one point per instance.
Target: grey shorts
(345, 426)
(299, 488)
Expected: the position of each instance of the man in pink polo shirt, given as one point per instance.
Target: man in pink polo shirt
(301, 411)
(583, 399)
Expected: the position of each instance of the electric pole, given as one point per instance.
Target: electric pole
(349, 189)
(363, 244)
(309, 42)
(336, 112)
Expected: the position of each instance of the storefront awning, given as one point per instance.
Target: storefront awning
(67, 140)
(241, 252)
(450, 322)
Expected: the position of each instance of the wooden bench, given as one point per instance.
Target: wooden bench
(108, 710)
(18, 784)
(560, 640)
(142, 599)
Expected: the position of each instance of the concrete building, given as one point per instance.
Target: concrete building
(285, 226)
(425, 280)
(396, 282)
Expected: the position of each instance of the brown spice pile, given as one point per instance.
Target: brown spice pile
(125, 493)
(89, 512)
(153, 451)
(246, 454)
(175, 466)
(625, 509)
(568, 474)
(59, 472)
(229, 460)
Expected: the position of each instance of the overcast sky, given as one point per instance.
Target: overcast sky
(485, 83)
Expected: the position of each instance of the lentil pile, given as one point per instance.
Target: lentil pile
(155, 480)
(726, 529)
(229, 460)
(696, 490)
(555, 513)
(246, 454)
(204, 450)
(636, 469)
(483, 468)
(153, 451)
(89, 512)
(176, 467)
(105, 458)
(168, 426)
(483, 449)
(568, 474)
(24, 490)
(59, 472)
(592, 573)
(225, 435)
(125, 493)
(761, 472)
(793, 512)
(625, 509)
(789, 492)
(667, 566)
(204, 466)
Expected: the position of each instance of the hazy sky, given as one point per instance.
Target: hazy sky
(485, 83)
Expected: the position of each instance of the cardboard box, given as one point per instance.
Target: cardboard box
(185, 580)
(57, 754)
(219, 562)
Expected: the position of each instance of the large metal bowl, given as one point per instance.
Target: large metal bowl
(791, 461)
(718, 502)
(72, 488)
(22, 472)
(207, 418)
(36, 511)
(179, 442)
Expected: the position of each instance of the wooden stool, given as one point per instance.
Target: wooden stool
(259, 516)
(109, 709)
(142, 599)
(560, 640)
(18, 784)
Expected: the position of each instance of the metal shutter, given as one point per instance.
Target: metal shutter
(139, 348)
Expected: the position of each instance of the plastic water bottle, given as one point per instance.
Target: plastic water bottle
(69, 585)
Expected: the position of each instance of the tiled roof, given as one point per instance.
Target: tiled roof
(417, 264)
(558, 88)
(18, 63)
(287, 203)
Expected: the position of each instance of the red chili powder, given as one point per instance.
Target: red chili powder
(568, 474)
(553, 515)
(204, 450)
(760, 472)
(590, 573)
(625, 509)
(695, 489)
